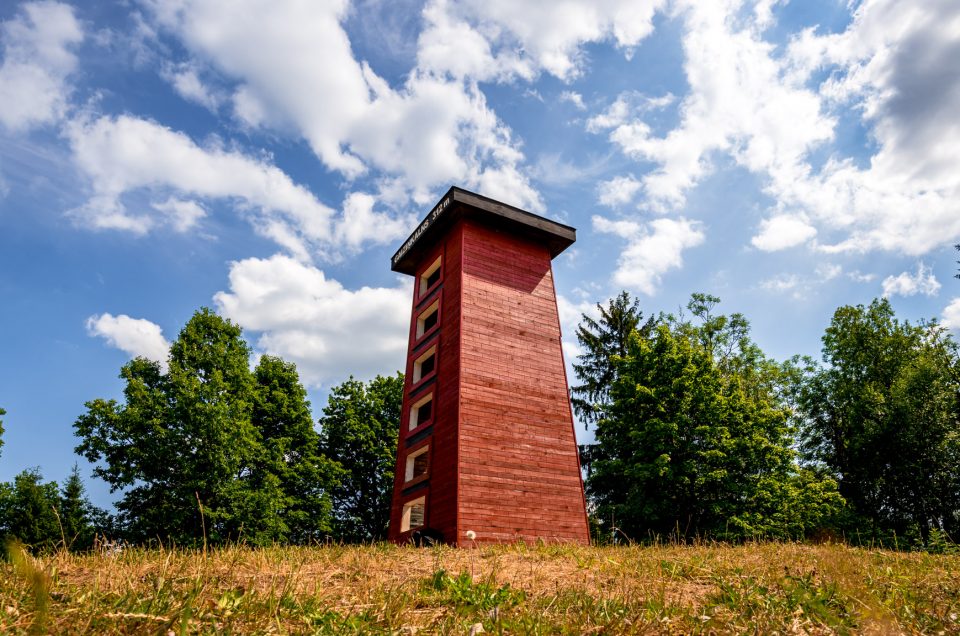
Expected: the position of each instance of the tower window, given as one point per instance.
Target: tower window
(414, 514)
(418, 464)
(425, 364)
(421, 412)
(429, 277)
(428, 319)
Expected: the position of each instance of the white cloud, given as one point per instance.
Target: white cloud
(329, 331)
(574, 98)
(828, 271)
(184, 215)
(361, 224)
(652, 249)
(906, 284)
(296, 71)
(36, 62)
(894, 68)
(783, 231)
(895, 64)
(618, 191)
(951, 315)
(782, 283)
(127, 155)
(506, 38)
(134, 336)
(740, 102)
(185, 79)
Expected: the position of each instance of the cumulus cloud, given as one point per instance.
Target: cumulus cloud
(329, 331)
(617, 191)
(294, 69)
(37, 59)
(951, 315)
(652, 249)
(126, 154)
(740, 102)
(134, 336)
(783, 231)
(769, 109)
(907, 284)
(505, 38)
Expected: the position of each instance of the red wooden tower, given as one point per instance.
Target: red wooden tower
(486, 439)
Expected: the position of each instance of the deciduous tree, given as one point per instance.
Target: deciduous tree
(696, 440)
(882, 413)
(358, 431)
(202, 452)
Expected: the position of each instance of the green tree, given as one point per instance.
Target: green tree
(291, 461)
(882, 414)
(185, 449)
(27, 511)
(696, 440)
(358, 431)
(78, 517)
(600, 339)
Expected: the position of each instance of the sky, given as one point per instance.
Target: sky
(265, 158)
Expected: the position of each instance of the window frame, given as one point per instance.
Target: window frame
(421, 291)
(423, 355)
(416, 403)
(416, 336)
(424, 448)
(405, 513)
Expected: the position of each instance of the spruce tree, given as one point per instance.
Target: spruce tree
(600, 340)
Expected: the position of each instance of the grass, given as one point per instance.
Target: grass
(761, 588)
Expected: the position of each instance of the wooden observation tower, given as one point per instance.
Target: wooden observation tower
(486, 442)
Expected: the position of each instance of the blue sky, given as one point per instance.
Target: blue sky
(266, 159)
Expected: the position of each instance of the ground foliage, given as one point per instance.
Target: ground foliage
(382, 589)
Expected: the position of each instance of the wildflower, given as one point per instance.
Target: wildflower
(471, 535)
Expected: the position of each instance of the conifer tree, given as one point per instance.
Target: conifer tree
(600, 340)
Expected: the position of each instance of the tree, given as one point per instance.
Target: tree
(186, 449)
(2, 412)
(281, 415)
(882, 414)
(600, 339)
(78, 517)
(358, 431)
(27, 511)
(696, 440)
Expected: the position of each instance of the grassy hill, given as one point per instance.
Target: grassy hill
(759, 588)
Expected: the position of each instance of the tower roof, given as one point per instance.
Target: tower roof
(458, 203)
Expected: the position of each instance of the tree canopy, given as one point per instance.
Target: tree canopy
(882, 414)
(600, 339)
(358, 431)
(696, 441)
(205, 451)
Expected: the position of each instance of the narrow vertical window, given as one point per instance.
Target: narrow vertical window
(418, 464)
(425, 364)
(428, 318)
(414, 514)
(421, 412)
(429, 277)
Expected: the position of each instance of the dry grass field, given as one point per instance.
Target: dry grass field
(762, 588)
